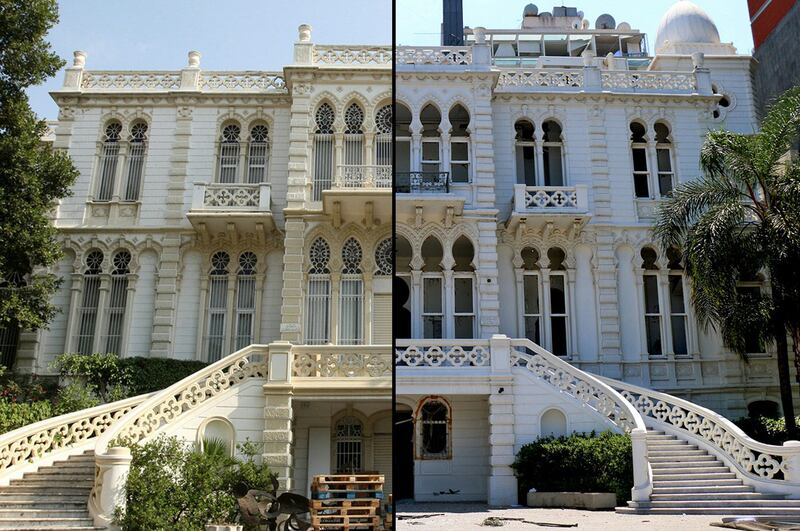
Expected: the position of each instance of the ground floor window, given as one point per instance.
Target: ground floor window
(349, 445)
(434, 429)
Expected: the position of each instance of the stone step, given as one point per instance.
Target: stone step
(682, 458)
(678, 475)
(752, 511)
(43, 491)
(737, 504)
(669, 443)
(651, 436)
(711, 488)
(37, 502)
(688, 468)
(31, 514)
(703, 482)
(676, 450)
(35, 496)
(709, 495)
(13, 523)
(89, 465)
(687, 465)
(60, 475)
(46, 482)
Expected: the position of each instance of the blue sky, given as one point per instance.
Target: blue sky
(418, 21)
(231, 34)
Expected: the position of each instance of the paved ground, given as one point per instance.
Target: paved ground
(462, 517)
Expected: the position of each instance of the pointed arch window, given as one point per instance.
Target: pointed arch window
(87, 313)
(641, 173)
(349, 445)
(383, 257)
(136, 155)
(118, 297)
(553, 154)
(258, 154)
(652, 303)
(433, 425)
(354, 135)
(431, 141)
(217, 305)
(464, 289)
(229, 149)
(432, 289)
(351, 295)
(318, 294)
(666, 175)
(383, 139)
(108, 161)
(525, 146)
(531, 296)
(245, 299)
(459, 145)
(323, 150)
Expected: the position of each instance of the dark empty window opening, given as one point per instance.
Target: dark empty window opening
(435, 427)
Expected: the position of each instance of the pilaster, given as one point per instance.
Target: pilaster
(278, 434)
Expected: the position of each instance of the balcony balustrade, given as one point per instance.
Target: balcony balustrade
(217, 206)
(420, 182)
(359, 176)
(536, 206)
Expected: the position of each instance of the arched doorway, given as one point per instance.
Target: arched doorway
(403, 451)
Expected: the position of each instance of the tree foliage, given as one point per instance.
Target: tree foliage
(32, 176)
(741, 219)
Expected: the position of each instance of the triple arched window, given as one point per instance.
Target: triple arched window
(104, 303)
(243, 160)
(122, 161)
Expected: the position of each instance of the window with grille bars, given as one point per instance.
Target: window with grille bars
(323, 150)
(217, 306)
(137, 151)
(108, 162)
(318, 294)
(349, 446)
(118, 296)
(434, 434)
(258, 154)
(383, 138)
(229, 153)
(87, 312)
(354, 135)
(245, 299)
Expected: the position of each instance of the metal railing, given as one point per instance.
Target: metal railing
(421, 182)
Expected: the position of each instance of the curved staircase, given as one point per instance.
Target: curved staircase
(689, 480)
(52, 498)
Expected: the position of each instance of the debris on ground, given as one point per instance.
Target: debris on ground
(499, 521)
(759, 524)
(417, 516)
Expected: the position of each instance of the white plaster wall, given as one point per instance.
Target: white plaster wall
(156, 174)
(187, 329)
(141, 318)
(271, 299)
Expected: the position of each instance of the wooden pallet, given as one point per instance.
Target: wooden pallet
(345, 522)
(327, 503)
(347, 502)
(388, 521)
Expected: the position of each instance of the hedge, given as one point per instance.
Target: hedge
(577, 463)
(154, 374)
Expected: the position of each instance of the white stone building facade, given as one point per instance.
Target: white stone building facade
(529, 165)
(241, 219)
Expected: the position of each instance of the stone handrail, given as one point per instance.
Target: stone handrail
(648, 80)
(595, 394)
(352, 55)
(35, 441)
(130, 80)
(754, 460)
(241, 81)
(571, 198)
(341, 361)
(438, 55)
(233, 196)
(541, 77)
(352, 176)
(442, 353)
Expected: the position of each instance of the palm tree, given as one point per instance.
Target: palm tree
(738, 221)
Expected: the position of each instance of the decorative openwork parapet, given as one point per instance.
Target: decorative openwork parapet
(26, 444)
(638, 81)
(541, 77)
(242, 81)
(440, 55)
(352, 55)
(753, 459)
(341, 361)
(354, 176)
(551, 198)
(422, 182)
(103, 80)
(219, 196)
(442, 353)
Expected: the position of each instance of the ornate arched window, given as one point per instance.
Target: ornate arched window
(525, 146)
(531, 314)
(323, 150)
(349, 445)
(383, 146)
(117, 302)
(351, 295)
(666, 175)
(464, 311)
(652, 302)
(108, 161)
(318, 294)
(433, 429)
(217, 305)
(383, 258)
(558, 307)
(245, 299)
(641, 173)
(459, 144)
(430, 179)
(553, 154)
(258, 154)
(87, 313)
(137, 152)
(402, 167)
(229, 149)
(433, 289)
(354, 135)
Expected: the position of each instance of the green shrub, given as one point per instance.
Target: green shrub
(153, 374)
(172, 485)
(577, 463)
(104, 372)
(14, 415)
(765, 429)
(74, 397)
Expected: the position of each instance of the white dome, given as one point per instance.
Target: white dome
(685, 22)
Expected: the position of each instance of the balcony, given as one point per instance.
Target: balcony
(537, 207)
(226, 207)
(426, 195)
(360, 193)
(334, 370)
